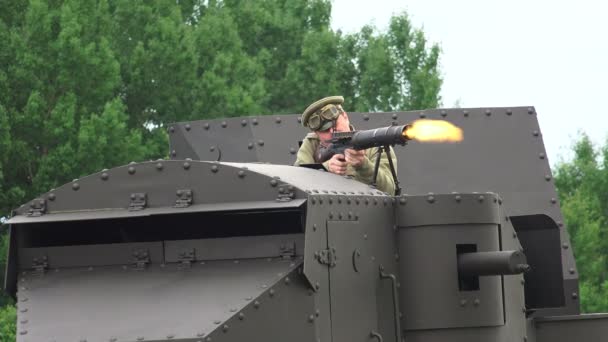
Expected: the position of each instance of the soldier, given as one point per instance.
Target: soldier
(326, 116)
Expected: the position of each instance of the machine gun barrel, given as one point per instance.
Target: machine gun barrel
(364, 139)
(492, 263)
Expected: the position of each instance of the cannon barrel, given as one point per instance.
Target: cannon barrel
(492, 263)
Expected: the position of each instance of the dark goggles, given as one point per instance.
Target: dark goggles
(320, 118)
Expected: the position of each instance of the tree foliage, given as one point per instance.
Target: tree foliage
(583, 189)
(91, 84)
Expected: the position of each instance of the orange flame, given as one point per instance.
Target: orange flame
(433, 131)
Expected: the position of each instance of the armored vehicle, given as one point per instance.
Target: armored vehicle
(227, 241)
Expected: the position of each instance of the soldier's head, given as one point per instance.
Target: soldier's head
(326, 116)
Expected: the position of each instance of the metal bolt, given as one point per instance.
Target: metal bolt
(535, 133)
(186, 165)
(394, 116)
(140, 338)
(514, 235)
(200, 334)
(553, 200)
(444, 113)
(402, 200)
(243, 123)
(225, 328)
(366, 117)
(509, 112)
(299, 119)
(488, 112)
(171, 129)
(75, 186)
(422, 115)
(159, 166)
(277, 120)
(261, 142)
(292, 150)
(51, 197)
(104, 176)
(187, 126)
(214, 168)
(571, 271)
(271, 292)
(480, 198)
(254, 122)
(256, 304)
(463, 302)
(206, 125)
(430, 199)
(224, 124)
(574, 295)
(541, 155)
(241, 174)
(476, 302)
(217, 322)
(311, 318)
(131, 170)
(530, 110)
(173, 153)
(170, 336)
(287, 281)
(466, 113)
(241, 316)
(565, 245)
(317, 285)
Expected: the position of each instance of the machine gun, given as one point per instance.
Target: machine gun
(383, 138)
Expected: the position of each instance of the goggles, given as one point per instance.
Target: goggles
(319, 120)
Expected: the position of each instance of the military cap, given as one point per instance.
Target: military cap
(320, 115)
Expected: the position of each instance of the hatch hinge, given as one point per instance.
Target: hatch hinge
(37, 208)
(186, 257)
(141, 259)
(327, 257)
(286, 193)
(138, 201)
(288, 251)
(184, 198)
(40, 265)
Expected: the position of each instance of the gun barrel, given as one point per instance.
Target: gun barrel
(492, 263)
(383, 136)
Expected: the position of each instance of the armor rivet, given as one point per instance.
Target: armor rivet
(187, 126)
(357, 201)
(170, 336)
(480, 198)
(431, 199)
(375, 202)
(331, 215)
(553, 200)
(224, 124)
(113, 339)
(565, 246)
(287, 280)
(206, 125)
(299, 119)
(514, 235)
(314, 227)
(248, 298)
(574, 295)
(366, 201)
(23, 332)
(292, 150)
(571, 271)
(225, 328)
(402, 200)
(140, 338)
(488, 112)
(476, 302)
(241, 174)
(214, 168)
(104, 176)
(530, 110)
(200, 334)
(171, 129)
(217, 322)
(366, 117)
(422, 115)
(541, 155)
(273, 182)
(256, 304)
(131, 170)
(208, 339)
(186, 166)
(523, 282)
(547, 178)
(254, 121)
(317, 285)
(24, 299)
(466, 113)
(444, 113)
(535, 133)
(330, 201)
(458, 198)
(311, 318)
(159, 166)
(523, 309)
(365, 236)
(241, 316)
(277, 120)
(173, 153)
(243, 123)
(320, 201)
(51, 197)
(75, 186)
(261, 142)
(348, 201)
(271, 292)
(509, 112)
(560, 223)
(463, 302)
(525, 338)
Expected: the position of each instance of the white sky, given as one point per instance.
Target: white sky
(547, 54)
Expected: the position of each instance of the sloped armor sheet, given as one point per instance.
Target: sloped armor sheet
(116, 303)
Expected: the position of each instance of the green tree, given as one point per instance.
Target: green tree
(8, 323)
(583, 189)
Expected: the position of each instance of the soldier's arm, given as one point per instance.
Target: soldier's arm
(385, 181)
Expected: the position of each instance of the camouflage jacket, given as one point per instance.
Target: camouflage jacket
(364, 174)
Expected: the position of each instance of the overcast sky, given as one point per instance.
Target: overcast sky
(548, 54)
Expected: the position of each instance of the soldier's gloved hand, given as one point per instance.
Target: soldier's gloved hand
(337, 164)
(354, 157)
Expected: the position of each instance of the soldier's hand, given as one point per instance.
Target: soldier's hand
(354, 157)
(337, 164)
